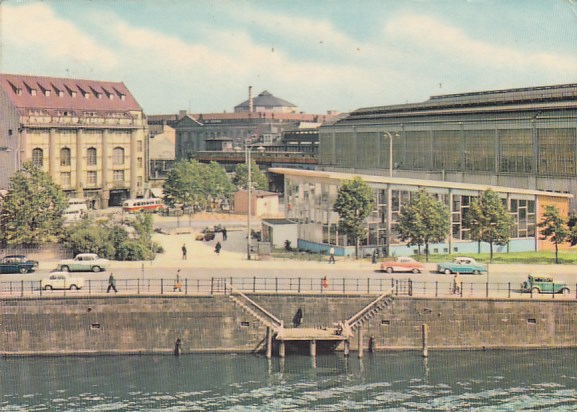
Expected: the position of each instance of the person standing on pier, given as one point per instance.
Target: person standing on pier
(332, 255)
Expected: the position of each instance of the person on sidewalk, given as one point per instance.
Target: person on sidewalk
(177, 284)
(224, 234)
(332, 255)
(217, 248)
(111, 283)
(184, 252)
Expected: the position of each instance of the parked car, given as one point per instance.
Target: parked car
(83, 262)
(17, 264)
(462, 265)
(543, 284)
(402, 264)
(62, 280)
(206, 234)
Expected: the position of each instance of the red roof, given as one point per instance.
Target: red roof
(37, 92)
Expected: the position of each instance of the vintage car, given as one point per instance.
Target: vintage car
(62, 280)
(17, 264)
(402, 264)
(462, 265)
(206, 234)
(543, 284)
(83, 262)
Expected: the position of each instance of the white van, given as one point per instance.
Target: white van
(77, 204)
(76, 209)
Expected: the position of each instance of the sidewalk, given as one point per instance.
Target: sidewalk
(200, 254)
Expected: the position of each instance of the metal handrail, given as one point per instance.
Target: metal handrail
(256, 305)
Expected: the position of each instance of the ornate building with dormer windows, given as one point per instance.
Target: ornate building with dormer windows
(90, 136)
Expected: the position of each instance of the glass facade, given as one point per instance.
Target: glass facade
(490, 149)
(310, 201)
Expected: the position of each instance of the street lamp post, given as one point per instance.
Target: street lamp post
(248, 149)
(390, 136)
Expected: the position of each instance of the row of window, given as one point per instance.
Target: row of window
(310, 203)
(91, 178)
(544, 151)
(118, 157)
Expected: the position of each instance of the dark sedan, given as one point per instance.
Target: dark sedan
(17, 264)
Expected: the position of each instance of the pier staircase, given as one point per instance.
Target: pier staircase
(255, 310)
(349, 326)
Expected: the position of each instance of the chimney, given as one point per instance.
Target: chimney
(250, 106)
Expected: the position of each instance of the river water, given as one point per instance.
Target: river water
(397, 381)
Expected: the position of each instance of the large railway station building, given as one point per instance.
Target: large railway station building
(522, 143)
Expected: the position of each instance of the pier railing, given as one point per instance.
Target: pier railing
(284, 285)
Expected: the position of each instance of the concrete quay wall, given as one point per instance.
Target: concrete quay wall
(152, 324)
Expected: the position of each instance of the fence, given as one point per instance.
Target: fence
(284, 285)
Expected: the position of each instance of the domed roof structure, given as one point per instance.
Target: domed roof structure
(266, 102)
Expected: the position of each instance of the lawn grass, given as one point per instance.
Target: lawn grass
(565, 257)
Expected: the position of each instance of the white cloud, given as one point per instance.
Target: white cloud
(431, 35)
(34, 28)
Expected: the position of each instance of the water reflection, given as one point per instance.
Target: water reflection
(499, 380)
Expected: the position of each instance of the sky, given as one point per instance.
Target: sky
(202, 55)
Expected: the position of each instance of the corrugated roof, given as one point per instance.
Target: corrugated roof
(546, 97)
(51, 93)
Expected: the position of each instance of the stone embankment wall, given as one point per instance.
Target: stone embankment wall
(152, 324)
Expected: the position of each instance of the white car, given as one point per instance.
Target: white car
(83, 262)
(62, 280)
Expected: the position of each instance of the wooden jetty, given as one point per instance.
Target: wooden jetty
(341, 332)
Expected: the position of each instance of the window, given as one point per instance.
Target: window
(38, 157)
(91, 178)
(91, 156)
(118, 176)
(139, 146)
(65, 179)
(65, 158)
(140, 162)
(118, 156)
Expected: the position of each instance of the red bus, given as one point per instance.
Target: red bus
(142, 205)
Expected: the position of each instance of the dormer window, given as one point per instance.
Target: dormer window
(86, 95)
(47, 93)
(73, 93)
(33, 92)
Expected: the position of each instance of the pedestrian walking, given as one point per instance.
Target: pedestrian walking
(332, 255)
(457, 283)
(177, 283)
(325, 282)
(111, 283)
(374, 258)
(224, 234)
(217, 248)
(184, 252)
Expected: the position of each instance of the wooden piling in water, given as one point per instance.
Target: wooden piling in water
(268, 342)
(360, 342)
(425, 331)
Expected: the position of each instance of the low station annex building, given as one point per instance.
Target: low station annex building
(310, 195)
(522, 143)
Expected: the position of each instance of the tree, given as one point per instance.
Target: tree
(424, 220)
(354, 203)
(489, 220)
(554, 228)
(192, 183)
(31, 210)
(257, 177)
